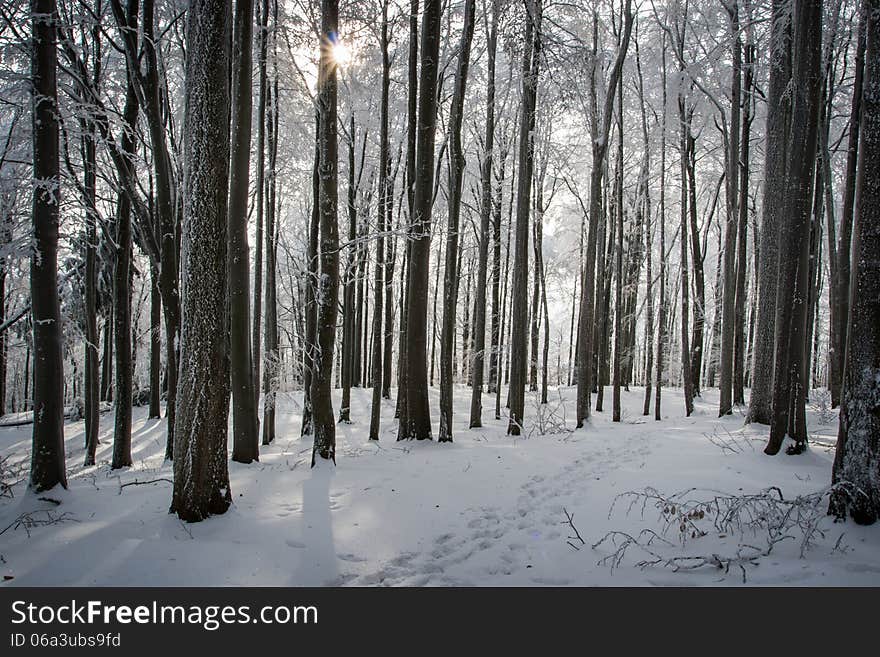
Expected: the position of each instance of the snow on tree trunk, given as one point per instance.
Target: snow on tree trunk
(201, 477)
(857, 462)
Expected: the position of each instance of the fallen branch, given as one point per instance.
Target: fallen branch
(569, 520)
(144, 483)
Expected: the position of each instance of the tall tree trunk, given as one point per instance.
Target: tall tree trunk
(201, 476)
(772, 219)
(739, 354)
(259, 201)
(618, 273)
(47, 456)
(122, 295)
(844, 263)
(416, 421)
(497, 314)
(697, 257)
(686, 374)
(245, 425)
(381, 216)
(91, 383)
(728, 301)
(411, 138)
(327, 291)
(600, 147)
(857, 460)
(661, 318)
(311, 317)
(155, 345)
(354, 248)
(519, 299)
(456, 175)
(270, 329)
(476, 419)
(788, 402)
(649, 240)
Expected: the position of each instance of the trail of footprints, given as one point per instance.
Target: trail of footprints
(499, 543)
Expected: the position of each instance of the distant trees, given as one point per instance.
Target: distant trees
(480, 106)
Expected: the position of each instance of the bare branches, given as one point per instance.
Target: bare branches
(569, 520)
(757, 522)
(40, 518)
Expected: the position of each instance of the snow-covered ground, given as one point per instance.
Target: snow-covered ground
(487, 509)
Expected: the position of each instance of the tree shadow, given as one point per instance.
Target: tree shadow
(317, 563)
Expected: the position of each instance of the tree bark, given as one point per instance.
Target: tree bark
(788, 402)
(201, 477)
(587, 314)
(381, 216)
(48, 466)
(857, 460)
(519, 299)
(122, 296)
(245, 425)
(416, 421)
(728, 300)
(327, 291)
(456, 175)
(778, 120)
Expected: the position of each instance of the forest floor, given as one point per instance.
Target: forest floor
(488, 509)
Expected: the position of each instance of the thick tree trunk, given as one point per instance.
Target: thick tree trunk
(47, 456)
(122, 299)
(519, 298)
(327, 291)
(416, 421)
(857, 461)
(788, 402)
(410, 178)
(201, 477)
(778, 118)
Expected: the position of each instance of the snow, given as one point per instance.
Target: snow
(487, 509)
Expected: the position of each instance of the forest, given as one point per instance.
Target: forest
(358, 277)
